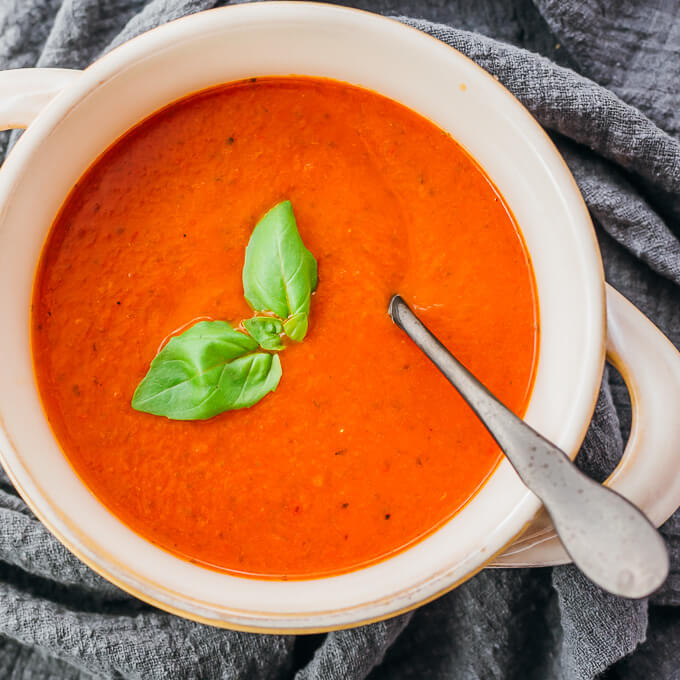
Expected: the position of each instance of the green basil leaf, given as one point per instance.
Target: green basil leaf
(266, 331)
(208, 369)
(279, 274)
(296, 327)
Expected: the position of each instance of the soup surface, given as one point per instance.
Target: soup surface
(364, 447)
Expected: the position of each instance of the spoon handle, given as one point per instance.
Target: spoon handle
(607, 537)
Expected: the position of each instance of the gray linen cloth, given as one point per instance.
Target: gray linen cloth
(607, 88)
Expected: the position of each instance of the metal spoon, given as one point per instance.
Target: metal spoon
(606, 536)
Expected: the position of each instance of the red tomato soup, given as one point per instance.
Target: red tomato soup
(364, 448)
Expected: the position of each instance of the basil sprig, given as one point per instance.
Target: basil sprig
(212, 367)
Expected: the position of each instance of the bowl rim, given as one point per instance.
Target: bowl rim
(532, 507)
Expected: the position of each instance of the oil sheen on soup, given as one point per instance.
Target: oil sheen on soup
(364, 448)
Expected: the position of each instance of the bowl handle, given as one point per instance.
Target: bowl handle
(648, 471)
(24, 93)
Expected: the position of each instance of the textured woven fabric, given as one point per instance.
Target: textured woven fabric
(607, 88)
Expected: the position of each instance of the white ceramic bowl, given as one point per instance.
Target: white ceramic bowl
(73, 116)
